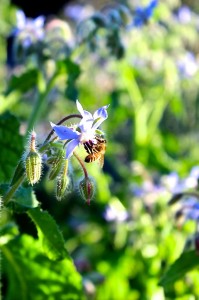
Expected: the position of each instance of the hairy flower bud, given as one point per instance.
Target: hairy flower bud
(87, 189)
(63, 181)
(56, 164)
(33, 162)
(33, 167)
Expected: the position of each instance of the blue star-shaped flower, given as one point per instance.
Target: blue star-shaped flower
(143, 14)
(84, 132)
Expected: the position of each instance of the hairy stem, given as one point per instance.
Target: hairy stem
(82, 164)
(13, 189)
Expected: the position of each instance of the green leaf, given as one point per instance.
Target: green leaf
(11, 146)
(186, 262)
(22, 200)
(8, 232)
(32, 276)
(49, 234)
(23, 82)
(68, 67)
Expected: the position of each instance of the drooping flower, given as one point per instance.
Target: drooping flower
(32, 28)
(84, 132)
(143, 14)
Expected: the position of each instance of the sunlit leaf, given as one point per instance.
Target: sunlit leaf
(32, 276)
(49, 234)
(186, 262)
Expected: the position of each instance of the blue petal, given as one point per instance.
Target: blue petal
(101, 113)
(64, 133)
(99, 116)
(70, 148)
(193, 215)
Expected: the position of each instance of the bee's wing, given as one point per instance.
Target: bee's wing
(101, 160)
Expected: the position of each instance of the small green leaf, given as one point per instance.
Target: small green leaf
(23, 82)
(32, 276)
(11, 146)
(22, 200)
(186, 262)
(68, 67)
(49, 234)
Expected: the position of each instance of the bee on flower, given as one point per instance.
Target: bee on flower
(86, 133)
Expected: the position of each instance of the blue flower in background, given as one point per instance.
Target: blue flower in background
(35, 25)
(184, 14)
(84, 132)
(189, 209)
(187, 65)
(115, 211)
(143, 14)
(32, 29)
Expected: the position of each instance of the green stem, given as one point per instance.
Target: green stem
(13, 189)
(44, 90)
(82, 165)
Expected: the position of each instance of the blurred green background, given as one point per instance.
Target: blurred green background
(123, 243)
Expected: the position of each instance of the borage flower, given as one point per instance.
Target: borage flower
(84, 132)
(143, 14)
(189, 210)
(33, 25)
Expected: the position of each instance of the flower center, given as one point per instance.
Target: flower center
(86, 136)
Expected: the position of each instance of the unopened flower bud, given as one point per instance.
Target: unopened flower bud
(63, 181)
(33, 162)
(87, 189)
(33, 167)
(62, 185)
(56, 165)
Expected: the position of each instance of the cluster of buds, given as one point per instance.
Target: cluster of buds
(61, 148)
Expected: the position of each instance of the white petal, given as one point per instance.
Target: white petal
(39, 22)
(79, 107)
(85, 114)
(21, 19)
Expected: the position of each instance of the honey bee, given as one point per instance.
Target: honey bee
(96, 151)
